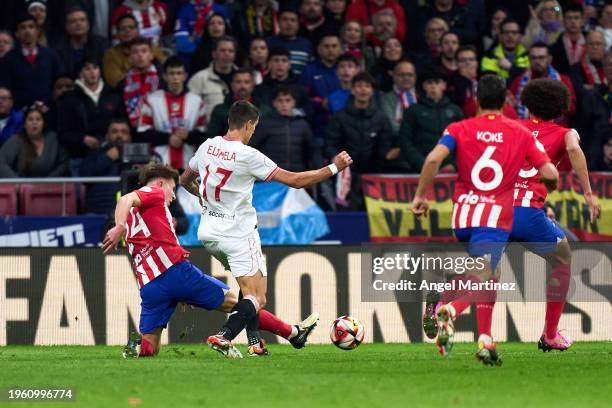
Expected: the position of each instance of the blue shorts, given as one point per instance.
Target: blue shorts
(484, 242)
(531, 225)
(183, 282)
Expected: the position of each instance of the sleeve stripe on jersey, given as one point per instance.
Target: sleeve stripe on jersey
(449, 141)
(272, 173)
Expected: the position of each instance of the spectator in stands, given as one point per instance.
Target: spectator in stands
(38, 10)
(141, 79)
(346, 69)
(212, 83)
(540, 67)
(284, 136)
(241, 88)
(6, 42)
(260, 19)
(313, 22)
(11, 120)
(545, 24)
(382, 72)
(466, 18)
(447, 62)
(362, 129)
(33, 152)
(569, 47)
(299, 48)
(509, 58)
(604, 159)
(466, 83)
(191, 23)
(589, 72)
(320, 79)
(384, 23)
(335, 11)
(434, 30)
(105, 161)
(353, 40)
(605, 24)
(492, 34)
(216, 28)
(79, 44)
(594, 122)
(258, 59)
(173, 119)
(117, 61)
(279, 72)
(395, 102)
(151, 15)
(425, 121)
(85, 113)
(28, 70)
(363, 10)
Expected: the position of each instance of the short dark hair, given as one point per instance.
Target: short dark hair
(173, 62)
(240, 113)
(363, 77)
(283, 89)
(224, 38)
(466, 47)
(241, 71)
(23, 18)
(139, 41)
(509, 20)
(279, 51)
(126, 16)
(117, 121)
(347, 58)
(155, 170)
(539, 44)
(491, 93)
(573, 8)
(89, 60)
(546, 98)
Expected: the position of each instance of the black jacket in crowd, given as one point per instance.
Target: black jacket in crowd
(79, 116)
(100, 198)
(285, 140)
(93, 50)
(264, 92)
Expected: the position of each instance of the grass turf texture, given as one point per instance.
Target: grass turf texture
(373, 375)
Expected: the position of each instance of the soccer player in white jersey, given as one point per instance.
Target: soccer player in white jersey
(228, 168)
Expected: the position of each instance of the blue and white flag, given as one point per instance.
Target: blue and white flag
(284, 215)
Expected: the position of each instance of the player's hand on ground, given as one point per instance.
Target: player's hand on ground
(342, 160)
(112, 238)
(594, 207)
(420, 206)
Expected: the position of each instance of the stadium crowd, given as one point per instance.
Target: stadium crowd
(380, 79)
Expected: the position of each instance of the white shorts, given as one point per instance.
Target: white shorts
(243, 257)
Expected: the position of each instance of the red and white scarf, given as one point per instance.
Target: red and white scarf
(405, 99)
(203, 13)
(574, 49)
(137, 86)
(594, 75)
(30, 54)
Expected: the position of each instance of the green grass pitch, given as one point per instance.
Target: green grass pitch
(373, 375)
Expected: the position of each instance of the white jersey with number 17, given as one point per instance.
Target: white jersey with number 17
(228, 169)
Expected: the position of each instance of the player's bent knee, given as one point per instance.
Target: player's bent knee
(253, 300)
(262, 302)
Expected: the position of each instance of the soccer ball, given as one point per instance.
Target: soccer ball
(346, 332)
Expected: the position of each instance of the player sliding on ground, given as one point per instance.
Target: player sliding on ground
(165, 275)
(228, 168)
(490, 150)
(547, 100)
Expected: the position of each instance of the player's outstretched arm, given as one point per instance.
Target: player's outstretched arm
(549, 176)
(432, 164)
(579, 164)
(189, 182)
(308, 178)
(113, 236)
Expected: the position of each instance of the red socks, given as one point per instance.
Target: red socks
(555, 298)
(464, 297)
(271, 323)
(484, 309)
(146, 348)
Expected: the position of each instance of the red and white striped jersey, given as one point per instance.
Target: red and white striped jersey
(490, 151)
(151, 19)
(150, 236)
(166, 112)
(529, 191)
